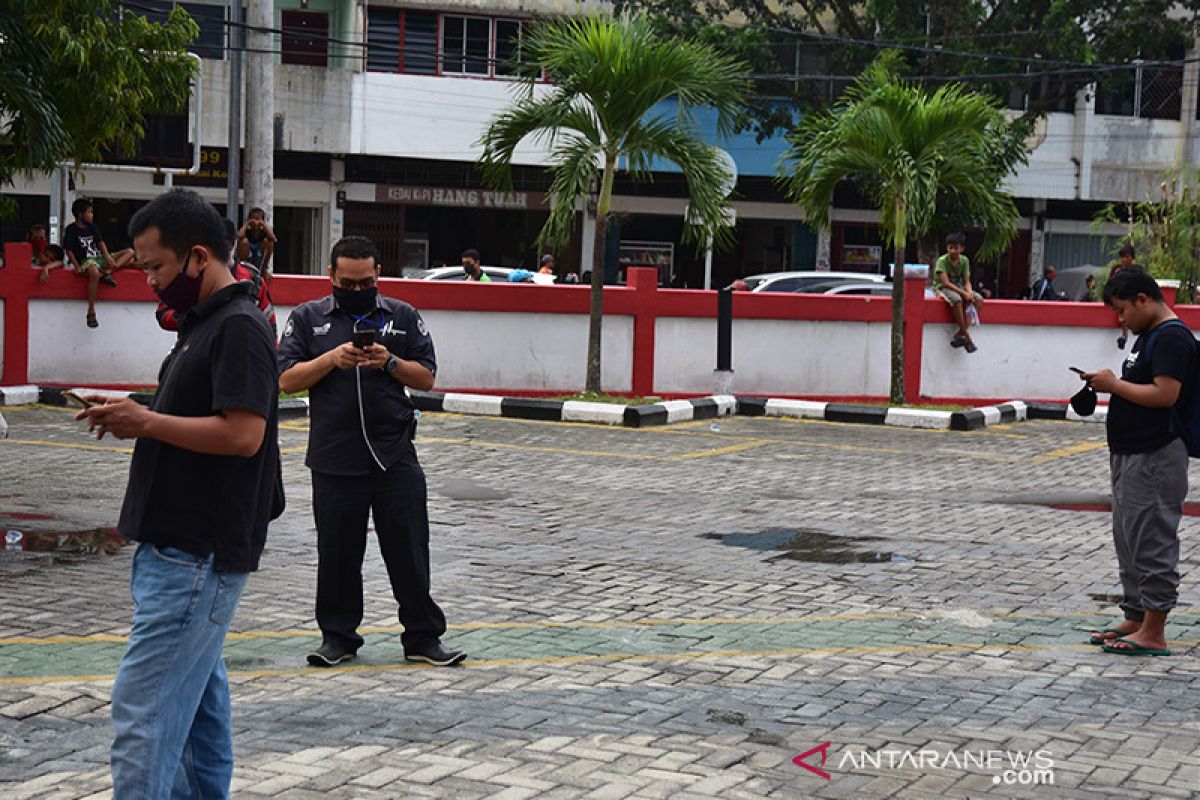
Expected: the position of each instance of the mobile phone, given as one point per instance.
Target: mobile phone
(364, 339)
(1077, 370)
(75, 399)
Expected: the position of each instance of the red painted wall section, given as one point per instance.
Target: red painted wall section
(15, 280)
(644, 282)
(914, 329)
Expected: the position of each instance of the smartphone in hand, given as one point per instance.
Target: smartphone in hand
(363, 339)
(75, 400)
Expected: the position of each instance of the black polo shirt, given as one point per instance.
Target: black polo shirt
(224, 359)
(335, 440)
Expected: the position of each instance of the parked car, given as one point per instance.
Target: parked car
(497, 274)
(876, 289)
(802, 280)
(1071, 281)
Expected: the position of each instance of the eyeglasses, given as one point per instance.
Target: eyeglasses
(356, 286)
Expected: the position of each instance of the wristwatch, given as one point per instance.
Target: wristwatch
(391, 365)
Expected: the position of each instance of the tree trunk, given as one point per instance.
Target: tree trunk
(897, 393)
(596, 312)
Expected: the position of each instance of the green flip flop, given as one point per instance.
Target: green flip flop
(1134, 649)
(1102, 639)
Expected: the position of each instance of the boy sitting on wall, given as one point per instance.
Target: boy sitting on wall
(952, 282)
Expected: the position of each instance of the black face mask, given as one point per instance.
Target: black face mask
(467, 268)
(359, 302)
(1084, 402)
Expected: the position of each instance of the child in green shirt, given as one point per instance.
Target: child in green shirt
(952, 283)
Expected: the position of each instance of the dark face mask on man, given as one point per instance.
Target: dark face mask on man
(359, 302)
(183, 292)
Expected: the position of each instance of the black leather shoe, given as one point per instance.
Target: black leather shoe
(435, 654)
(330, 655)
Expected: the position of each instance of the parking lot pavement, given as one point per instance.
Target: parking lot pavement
(674, 612)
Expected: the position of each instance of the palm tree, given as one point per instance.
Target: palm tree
(906, 147)
(607, 74)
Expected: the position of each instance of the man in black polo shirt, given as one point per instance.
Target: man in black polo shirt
(360, 451)
(201, 489)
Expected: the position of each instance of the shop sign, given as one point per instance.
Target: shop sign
(460, 198)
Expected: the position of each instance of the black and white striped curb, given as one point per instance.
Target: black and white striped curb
(661, 413)
(969, 420)
(640, 416)
(1064, 411)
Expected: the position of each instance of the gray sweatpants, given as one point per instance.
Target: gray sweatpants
(1148, 491)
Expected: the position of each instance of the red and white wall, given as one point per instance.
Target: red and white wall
(525, 339)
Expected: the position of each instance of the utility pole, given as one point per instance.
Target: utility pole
(233, 163)
(260, 105)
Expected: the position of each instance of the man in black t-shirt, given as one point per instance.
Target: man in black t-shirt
(356, 351)
(1149, 461)
(203, 484)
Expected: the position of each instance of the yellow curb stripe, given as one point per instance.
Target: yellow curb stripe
(586, 659)
(721, 451)
(67, 445)
(602, 625)
(1073, 450)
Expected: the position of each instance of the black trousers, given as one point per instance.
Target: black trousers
(396, 499)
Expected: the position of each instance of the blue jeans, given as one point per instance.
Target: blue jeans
(170, 702)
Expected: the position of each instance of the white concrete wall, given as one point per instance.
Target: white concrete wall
(1015, 362)
(127, 348)
(782, 357)
(314, 104)
(527, 351)
(429, 117)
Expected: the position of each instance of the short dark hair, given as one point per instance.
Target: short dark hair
(1127, 284)
(230, 232)
(956, 238)
(1049, 268)
(256, 210)
(80, 206)
(470, 253)
(184, 219)
(55, 251)
(353, 247)
(37, 226)
(1127, 250)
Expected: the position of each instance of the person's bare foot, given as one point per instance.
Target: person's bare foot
(1143, 640)
(1116, 632)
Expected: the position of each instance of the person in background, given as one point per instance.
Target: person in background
(38, 242)
(53, 257)
(89, 256)
(470, 265)
(1126, 259)
(1043, 288)
(547, 266)
(256, 242)
(952, 282)
(1091, 291)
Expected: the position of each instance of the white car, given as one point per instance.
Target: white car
(803, 280)
(876, 289)
(497, 274)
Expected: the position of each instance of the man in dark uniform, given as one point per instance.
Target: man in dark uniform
(360, 451)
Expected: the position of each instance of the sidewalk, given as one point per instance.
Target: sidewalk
(626, 637)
